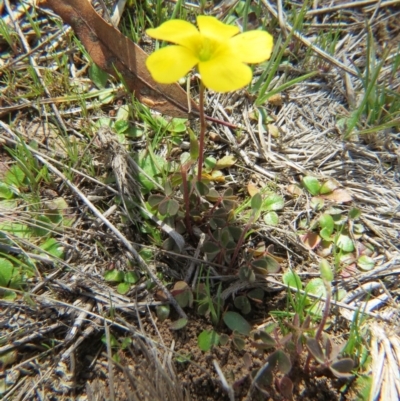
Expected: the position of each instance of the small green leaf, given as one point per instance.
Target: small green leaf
(354, 213)
(162, 312)
(5, 191)
(202, 188)
(210, 162)
(155, 200)
(203, 309)
(178, 324)
(131, 277)
(211, 247)
(42, 226)
(326, 234)
(286, 387)
(53, 247)
(98, 76)
(328, 187)
(266, 265)
(326, 270)
(123, 113)
(358, 229)
(8, 295)
(316, 287)
(312, 185)
(207, 339)
(134, 132)
(267, 339)
(292, 279)
(7, 272)
(123, 288)
(177, 125)
(184, 299)
(256, 202)
(246, 274)
(365, 262)
(113, 340)
(271, 219)
(121, 126)
(223, 339)
(114, 276)
(153, 166)
(242, 302)
(168, 207)
(212, 195)
(126, 342)
(273, 202)
(236, 322)
(235, 232)
(256, 295)
(326, 222)
(14, 176)
(345, 243)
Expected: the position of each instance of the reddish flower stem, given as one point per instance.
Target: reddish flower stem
(202, 132)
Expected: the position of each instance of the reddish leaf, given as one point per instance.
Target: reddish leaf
(310, 240)
(338, 195)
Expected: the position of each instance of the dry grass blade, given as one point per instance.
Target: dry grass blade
(119, 235)
(306, 42)
(385, 353)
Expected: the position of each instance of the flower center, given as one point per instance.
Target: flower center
(207, 49)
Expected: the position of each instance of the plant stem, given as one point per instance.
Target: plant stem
(240, 242)
(323, 320)
(202, 132)
(326, 310)
(184, 169)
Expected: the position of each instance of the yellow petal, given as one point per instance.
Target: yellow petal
(225, 73)
(252, 46)
(211, 27)
(176, 31)
(170, 63)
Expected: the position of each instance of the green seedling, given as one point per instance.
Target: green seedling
(124, 280)
(207, 339)
(117, 345)
(208, 305)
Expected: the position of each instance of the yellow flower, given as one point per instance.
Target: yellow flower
(216, 48)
